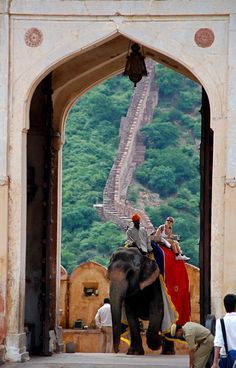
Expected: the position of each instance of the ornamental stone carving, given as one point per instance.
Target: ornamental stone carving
(204, 37)
(33, 37)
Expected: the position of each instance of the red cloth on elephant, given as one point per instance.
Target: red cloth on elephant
(177, 283)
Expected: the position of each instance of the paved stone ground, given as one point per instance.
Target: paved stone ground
(96, 360)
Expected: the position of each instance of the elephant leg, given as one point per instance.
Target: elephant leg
(136, 347)
(156, 312)
(168, 347)
(154, 339)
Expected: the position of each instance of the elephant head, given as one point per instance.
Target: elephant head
(129, 272)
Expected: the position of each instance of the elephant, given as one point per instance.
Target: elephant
(134, 284)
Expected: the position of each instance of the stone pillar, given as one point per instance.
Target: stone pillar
(218, 214)
(229, 279)
(231, 131)
(56, 251)
(223, 264)
(4, 72)
(59, 215)
(3, 262)
(16, 337)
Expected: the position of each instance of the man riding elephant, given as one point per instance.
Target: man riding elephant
(137, 236)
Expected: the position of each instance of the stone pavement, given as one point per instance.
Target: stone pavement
(98, 360)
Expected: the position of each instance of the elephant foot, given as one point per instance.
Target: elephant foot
(168, 347)
(133, 351)
(154, 341)
(170, 352)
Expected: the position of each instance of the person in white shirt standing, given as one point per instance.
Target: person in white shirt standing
(230, 327)
(103, 320)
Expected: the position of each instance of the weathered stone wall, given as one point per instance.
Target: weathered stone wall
(4, 179)
(131, 152)
(81, 306)
(64, 282)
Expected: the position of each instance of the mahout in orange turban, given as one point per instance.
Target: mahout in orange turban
(136, 217)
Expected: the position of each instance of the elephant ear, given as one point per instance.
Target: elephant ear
(149, 272)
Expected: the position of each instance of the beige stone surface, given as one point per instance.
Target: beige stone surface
(89, 275)
(3, 260)
(63, 306)
(82, 44)
(109, 360)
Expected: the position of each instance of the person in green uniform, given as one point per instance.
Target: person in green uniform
(200, 342)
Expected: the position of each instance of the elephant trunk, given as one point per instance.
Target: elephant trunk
(118, 290)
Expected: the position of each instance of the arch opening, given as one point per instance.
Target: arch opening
(49, 107)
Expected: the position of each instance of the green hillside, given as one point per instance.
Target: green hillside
(171, 166)
(90, 147)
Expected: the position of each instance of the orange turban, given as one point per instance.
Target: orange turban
(136, 217)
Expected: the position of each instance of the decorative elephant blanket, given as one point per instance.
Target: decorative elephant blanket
(176, 280)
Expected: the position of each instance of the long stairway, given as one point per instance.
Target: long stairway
(131, 152)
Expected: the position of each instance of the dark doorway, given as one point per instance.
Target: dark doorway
(206, 161)
(41, 259)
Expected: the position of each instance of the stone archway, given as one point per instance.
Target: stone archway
(33, 52)
(50, 102)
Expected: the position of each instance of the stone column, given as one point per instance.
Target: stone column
(57, 199)
(4, 72)
(218, 214)
(229, 278)
(16, 337)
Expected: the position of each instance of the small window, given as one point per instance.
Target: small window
(91, 289)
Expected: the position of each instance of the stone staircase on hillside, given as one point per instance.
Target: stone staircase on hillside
(131, 152)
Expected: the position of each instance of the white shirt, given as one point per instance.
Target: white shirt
(103, 316)
(230, 328)
(163, 236)
(140, 237)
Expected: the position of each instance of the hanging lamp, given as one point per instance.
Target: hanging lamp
(135, 67)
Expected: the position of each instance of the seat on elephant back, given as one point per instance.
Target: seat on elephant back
(176, 279)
